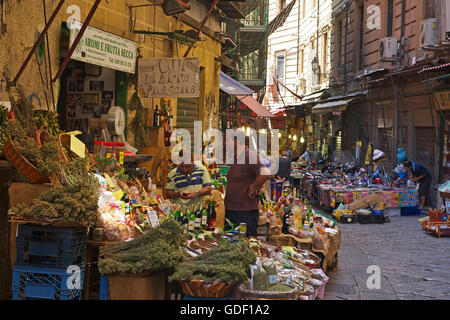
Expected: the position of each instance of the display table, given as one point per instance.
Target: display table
(330, 196)
(329, 254)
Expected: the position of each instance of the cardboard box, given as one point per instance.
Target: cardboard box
(274, 231)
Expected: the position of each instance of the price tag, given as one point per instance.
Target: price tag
(349, 220)
(121, 155)
(153, 217)
(108, 155)
(118, 194)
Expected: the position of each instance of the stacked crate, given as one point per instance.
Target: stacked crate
(49, 263)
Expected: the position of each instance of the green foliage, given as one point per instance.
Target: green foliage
(47, 120)
(157, 249)
(229, 262)
(75, 201)
(45, 158)
(137, 125)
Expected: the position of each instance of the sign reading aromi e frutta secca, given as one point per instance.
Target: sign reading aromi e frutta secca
(169, 77)
(104, 49)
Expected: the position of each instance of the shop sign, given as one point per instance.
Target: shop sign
(169, 77)
(104, 49)
(443, 99)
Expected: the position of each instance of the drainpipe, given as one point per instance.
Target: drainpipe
(347, 3)
(317, 41)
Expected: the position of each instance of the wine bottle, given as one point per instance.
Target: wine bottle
(198, 218)
(286, 222)
(184, 221)
(156, 117)
(205, 219)
(191, 223)
(212, 214)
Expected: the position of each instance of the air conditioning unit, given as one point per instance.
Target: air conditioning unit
(428, 32)
(445, 21)
(388, 48)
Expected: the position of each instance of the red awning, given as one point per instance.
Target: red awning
(257, 108)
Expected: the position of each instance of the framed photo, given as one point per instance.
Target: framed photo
(92, 70)
(96, 85)
(74, 99)
(91, 98)
(107, 95)
(106, 104)
(85, 111)
(71, 111)
(72, 85)
(80, 85)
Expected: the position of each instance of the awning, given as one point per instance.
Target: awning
(233, 87)
(332, 106)
(280, 19)
(256, 107)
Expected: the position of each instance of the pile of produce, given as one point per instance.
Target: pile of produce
(22, 130)
(158, 249)
(229, 262)
(76, 200)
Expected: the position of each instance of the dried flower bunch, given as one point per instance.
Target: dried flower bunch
(157, 249)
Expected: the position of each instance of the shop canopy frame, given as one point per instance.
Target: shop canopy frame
(243, 93)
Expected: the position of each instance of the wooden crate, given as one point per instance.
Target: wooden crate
(143, 286)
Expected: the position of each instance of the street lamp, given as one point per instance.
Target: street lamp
(315, 65)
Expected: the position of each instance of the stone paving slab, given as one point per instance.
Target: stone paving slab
(414, 265)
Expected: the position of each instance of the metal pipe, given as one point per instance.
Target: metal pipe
(202, 24)
(49, 61)
(36, 43)
(77, 39)
(317, 41)
(347, 3)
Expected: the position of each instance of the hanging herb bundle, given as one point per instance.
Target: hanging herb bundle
(137, 125)
(75, 201)
(157, 249)
(230, 262)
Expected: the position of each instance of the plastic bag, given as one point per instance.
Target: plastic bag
(318, 240)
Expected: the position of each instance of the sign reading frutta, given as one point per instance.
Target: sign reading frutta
(169, 77)
(104, 49)
(443, 99)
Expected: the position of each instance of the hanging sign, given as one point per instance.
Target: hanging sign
(104, 49)
(169, 77)
(443, 99)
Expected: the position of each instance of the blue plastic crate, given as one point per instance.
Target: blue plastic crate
(409, 211)
(49, 284)
(104, 288)
(50, 247)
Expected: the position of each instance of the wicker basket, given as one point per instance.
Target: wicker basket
(206, 289)
(247, 294)
(22, 164)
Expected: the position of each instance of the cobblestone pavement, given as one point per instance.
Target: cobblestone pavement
(414, 265)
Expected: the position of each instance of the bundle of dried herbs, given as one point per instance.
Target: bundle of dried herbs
(157, 249)
(76, 201)
(230, 262)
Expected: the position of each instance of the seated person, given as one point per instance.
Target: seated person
(188, 183)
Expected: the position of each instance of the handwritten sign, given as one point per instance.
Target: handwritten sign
(153, 219)
(443, 99)
(169, 77)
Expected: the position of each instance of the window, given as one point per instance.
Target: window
(361, 36)
(280, 70)
(430, 9)
(339, 43)
(281, 5)
(324, 53)
(303, 8)
(302, 61)
(390, 18)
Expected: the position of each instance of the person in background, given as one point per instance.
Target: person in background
(305, 157)
(244, 182)
(419, 174)
(188, 183)
(284, 168)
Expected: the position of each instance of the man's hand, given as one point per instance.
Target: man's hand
(252, 191)
(187, 195)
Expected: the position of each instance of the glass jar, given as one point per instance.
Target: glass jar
(118, 147)
(98, 148)
(108, 150)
